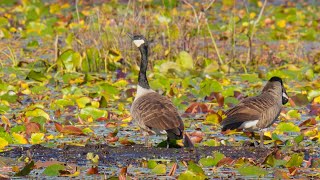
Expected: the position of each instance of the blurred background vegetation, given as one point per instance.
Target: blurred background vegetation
(207, 36)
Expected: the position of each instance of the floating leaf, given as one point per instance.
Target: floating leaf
(287, 127)
(294, 114)
(83, 101)
(37, 76)
(295, 160)
(93, 112)
(207, 162)
(159, 169)
(37, 112)
(19, 139)
(248, 170)
(37, 138)
(53, 170)
(3, 143)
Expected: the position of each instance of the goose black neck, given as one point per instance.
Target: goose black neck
(142, 79)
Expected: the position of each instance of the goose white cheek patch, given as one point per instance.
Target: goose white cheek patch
(139, 42)
(285, 95)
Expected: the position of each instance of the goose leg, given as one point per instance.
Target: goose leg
(261, 139)
(254, 140)
(146, 139)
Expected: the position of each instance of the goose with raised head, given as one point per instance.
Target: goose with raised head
(152, 112)
(258, 112)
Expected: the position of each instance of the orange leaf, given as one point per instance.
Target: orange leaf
(93, 170)
(58, 127)
(32, 127)
(126, 142)
(197, 108)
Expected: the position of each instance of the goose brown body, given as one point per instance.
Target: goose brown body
(154, 113)
(258, 112)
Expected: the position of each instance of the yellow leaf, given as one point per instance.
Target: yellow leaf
(3, 143)
(26, 91)
(19, 139)
(317, 100)
(252, 15)
(5, 120)
(50, 137)
(128, 119)
(37, 138)
(281, 23)
(90, 119)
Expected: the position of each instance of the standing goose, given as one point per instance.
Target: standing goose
(258, 112)
(153, 112)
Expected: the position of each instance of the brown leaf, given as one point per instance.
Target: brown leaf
(280, 174)
(197, 133)
(93, 170)
(32, 127)
(123, 173)
(126, 142)
(58, 127)
(71, 130)
(112, 139)
(102, 119)
(196, 139)
(299, 99)
(220, 99)
(111, 125)
(293, 171)
(308, 122)
(197, 108)
(225, 161)
(173, 169)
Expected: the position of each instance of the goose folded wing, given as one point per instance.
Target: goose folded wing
(239, 114)
(156, 111)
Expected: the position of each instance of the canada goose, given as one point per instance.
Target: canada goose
(258, 112)
(153, 112)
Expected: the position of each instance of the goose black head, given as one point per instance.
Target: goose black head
(285, 97)
(138, 40)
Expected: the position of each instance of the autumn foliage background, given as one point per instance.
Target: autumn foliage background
(68, 71)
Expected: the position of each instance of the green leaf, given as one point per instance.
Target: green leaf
(187, 175)
(152, 164)
(18, 128)
(298, 139)
(64, 102)
(4, 108)
(94, 112)
(83, 101)
(287, 127)
(3, 21)
(294, 114)
(159, 169)
(69, 60)
(185, 60)
(295, 160)
(53, 170)
(211, 142)
(251, 78)
(248, 170)
(206, 162)
(195, 168)
(37, 76)
(37, 112)
(10, 97)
